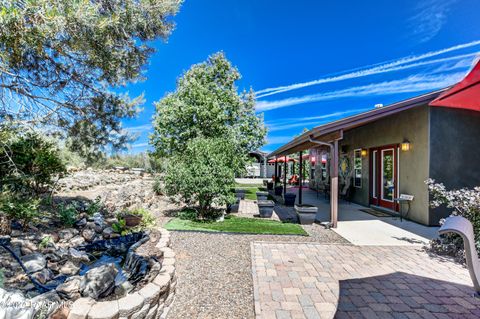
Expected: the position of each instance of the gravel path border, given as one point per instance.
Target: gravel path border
(214, 271)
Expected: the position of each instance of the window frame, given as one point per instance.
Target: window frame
(355, 169)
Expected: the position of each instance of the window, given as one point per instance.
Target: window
(357, 167)
(323, 166)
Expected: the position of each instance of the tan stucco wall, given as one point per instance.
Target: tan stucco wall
(414, 165)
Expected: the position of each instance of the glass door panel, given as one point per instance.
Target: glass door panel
(388, 175)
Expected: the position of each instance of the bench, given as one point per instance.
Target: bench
(462, 226)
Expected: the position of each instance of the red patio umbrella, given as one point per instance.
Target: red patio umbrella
(463, 95)
(281, 160)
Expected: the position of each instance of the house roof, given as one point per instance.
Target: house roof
(334, 130)
(463, 95)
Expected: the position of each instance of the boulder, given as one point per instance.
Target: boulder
(88, 234)
(43, 275)
(99, 281)
(81, 223)
(70, 289)
(34, 262)
(77, 241)
(69, 268)
(107, 232)
(77, 255)
(67, 233)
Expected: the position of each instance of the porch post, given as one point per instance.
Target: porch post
(285, 175)
(300, 178)
(276, 172)
(265, 167)
(334, 185)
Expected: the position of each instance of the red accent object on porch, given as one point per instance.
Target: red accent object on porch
(282, 159)
(463, 95)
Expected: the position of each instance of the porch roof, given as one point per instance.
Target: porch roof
(334, 130)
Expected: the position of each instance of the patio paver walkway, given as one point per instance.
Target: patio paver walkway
(308, 280)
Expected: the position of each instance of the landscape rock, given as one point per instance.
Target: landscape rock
(88, 234)
(34, 262)
(81, 223)
(43, 275)
(77, 241)
(70, 289)
(79, 256)
(99, 281)
(69, 268)
(67, 233)
(107, 232)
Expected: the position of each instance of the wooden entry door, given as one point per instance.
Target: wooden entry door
(384, 176)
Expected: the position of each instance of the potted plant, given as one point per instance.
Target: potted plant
(240, 193)
(265, 208)
(269, 186)
(278, 189)
(306, 213)
(289, 199)
(262, 195)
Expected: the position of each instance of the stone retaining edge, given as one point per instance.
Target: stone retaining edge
(152, 301)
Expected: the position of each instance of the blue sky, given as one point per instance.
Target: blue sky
(312, 62)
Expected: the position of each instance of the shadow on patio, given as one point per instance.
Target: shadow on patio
(403, 295)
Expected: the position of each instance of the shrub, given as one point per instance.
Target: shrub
(148, 220)
(463, 202)
(158, 186)
(67, 214)
(188, 214)
(29, 164)
(94, 207)
(203, 175)
(22, 209)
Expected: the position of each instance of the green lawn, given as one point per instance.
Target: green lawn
(233, 224)
(251, 190)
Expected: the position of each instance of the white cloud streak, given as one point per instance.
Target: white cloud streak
(308, 121)
(139, 128)
(413, 83)
(396, 65)
(430, 18)
(138, 145)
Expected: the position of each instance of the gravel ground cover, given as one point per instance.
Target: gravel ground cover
(215, 275)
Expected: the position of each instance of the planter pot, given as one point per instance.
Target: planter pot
(278, 190)
(132, 220)
(262, 195)
(289, 199)
(240, 193)
(233, 208)
(306, 213)
(270, 186)
(265, 207)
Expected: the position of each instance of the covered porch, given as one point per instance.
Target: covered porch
(361, 228)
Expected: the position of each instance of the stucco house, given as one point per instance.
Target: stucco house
(394, 149)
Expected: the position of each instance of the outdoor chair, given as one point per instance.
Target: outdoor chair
(462, 226)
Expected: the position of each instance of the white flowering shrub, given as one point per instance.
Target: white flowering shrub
(463, 202)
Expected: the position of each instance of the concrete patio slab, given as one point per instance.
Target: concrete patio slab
(361, 228)
(308, 280)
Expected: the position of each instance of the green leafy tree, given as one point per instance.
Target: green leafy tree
(207, 104)
(204, 174)
(61, 63)
(30, 164)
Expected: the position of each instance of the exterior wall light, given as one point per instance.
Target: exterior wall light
(363, 152)
(405, 146)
